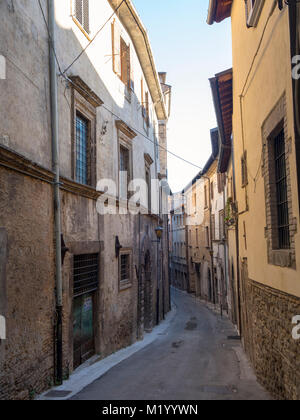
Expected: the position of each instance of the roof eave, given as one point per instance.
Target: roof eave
(137, 32)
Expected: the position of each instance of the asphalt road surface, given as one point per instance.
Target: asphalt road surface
(195, 359)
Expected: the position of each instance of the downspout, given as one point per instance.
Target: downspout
(294, 16)
(225, 253)
(237, 248)
(55, 164)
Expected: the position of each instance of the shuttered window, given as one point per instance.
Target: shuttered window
(121, 57)
(82, 14)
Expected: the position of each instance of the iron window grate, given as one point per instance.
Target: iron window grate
(85, 274)
(81, 150)
(82, 14)
(125, 268)
(281, 191)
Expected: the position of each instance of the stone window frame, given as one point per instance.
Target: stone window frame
(274, 123)
(128, 284)
(125, 140)
(85, 102)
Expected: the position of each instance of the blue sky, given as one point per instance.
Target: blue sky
(191, 52)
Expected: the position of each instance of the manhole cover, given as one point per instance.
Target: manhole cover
(58, 394)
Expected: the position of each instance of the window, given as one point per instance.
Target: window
(213, 227)
(281, 192)
(84, 126)
(125, 269)
(85, 274)
(207, 237)
(125, 62)
(205, 197)
(222, 224)
(148, 182)
(124, 172)
(253, 11)
(81, 149)
(82, 14)
(212, 190)
(121, 59)
(281, 225)
(244, 166)
(195, 202)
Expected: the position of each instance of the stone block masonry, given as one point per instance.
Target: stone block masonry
(269, 340)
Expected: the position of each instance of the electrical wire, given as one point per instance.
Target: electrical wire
(62, 74)
(49, 36)
(93, 39)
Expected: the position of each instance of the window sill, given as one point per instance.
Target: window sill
(125, 286)
(78, 24)
(281, 258)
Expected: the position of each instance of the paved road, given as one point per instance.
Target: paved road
(193, 360)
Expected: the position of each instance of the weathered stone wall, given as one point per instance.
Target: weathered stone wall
(267, 327)
(26, 362)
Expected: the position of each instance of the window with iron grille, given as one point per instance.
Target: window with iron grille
(82, 14)
(125, 269)
(85, 274)
(82, 149)
(281, 191)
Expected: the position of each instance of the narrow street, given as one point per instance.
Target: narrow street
(194, 360)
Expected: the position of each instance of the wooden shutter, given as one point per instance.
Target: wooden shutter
(131, 54)
(86, 15)
(116, 48)
(78, 11)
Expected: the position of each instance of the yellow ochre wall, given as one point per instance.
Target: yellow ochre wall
(269, 79)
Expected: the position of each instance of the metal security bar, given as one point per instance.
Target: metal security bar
(82, 13)
(81, 150)
(86, 269)
(281, 188)
(125, 268)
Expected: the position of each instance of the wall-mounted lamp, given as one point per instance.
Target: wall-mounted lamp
(104, 129)
(159, 231)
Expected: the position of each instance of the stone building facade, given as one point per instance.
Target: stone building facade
(206, 233)
(263, 173)
(178, 253)
(111, 102)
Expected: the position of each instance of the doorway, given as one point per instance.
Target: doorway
(85, 286)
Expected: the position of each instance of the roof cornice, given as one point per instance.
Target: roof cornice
(137, 32)
(218, 10)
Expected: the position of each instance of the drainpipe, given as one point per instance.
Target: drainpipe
(237, 247)
(55, 163)
(294, 16)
